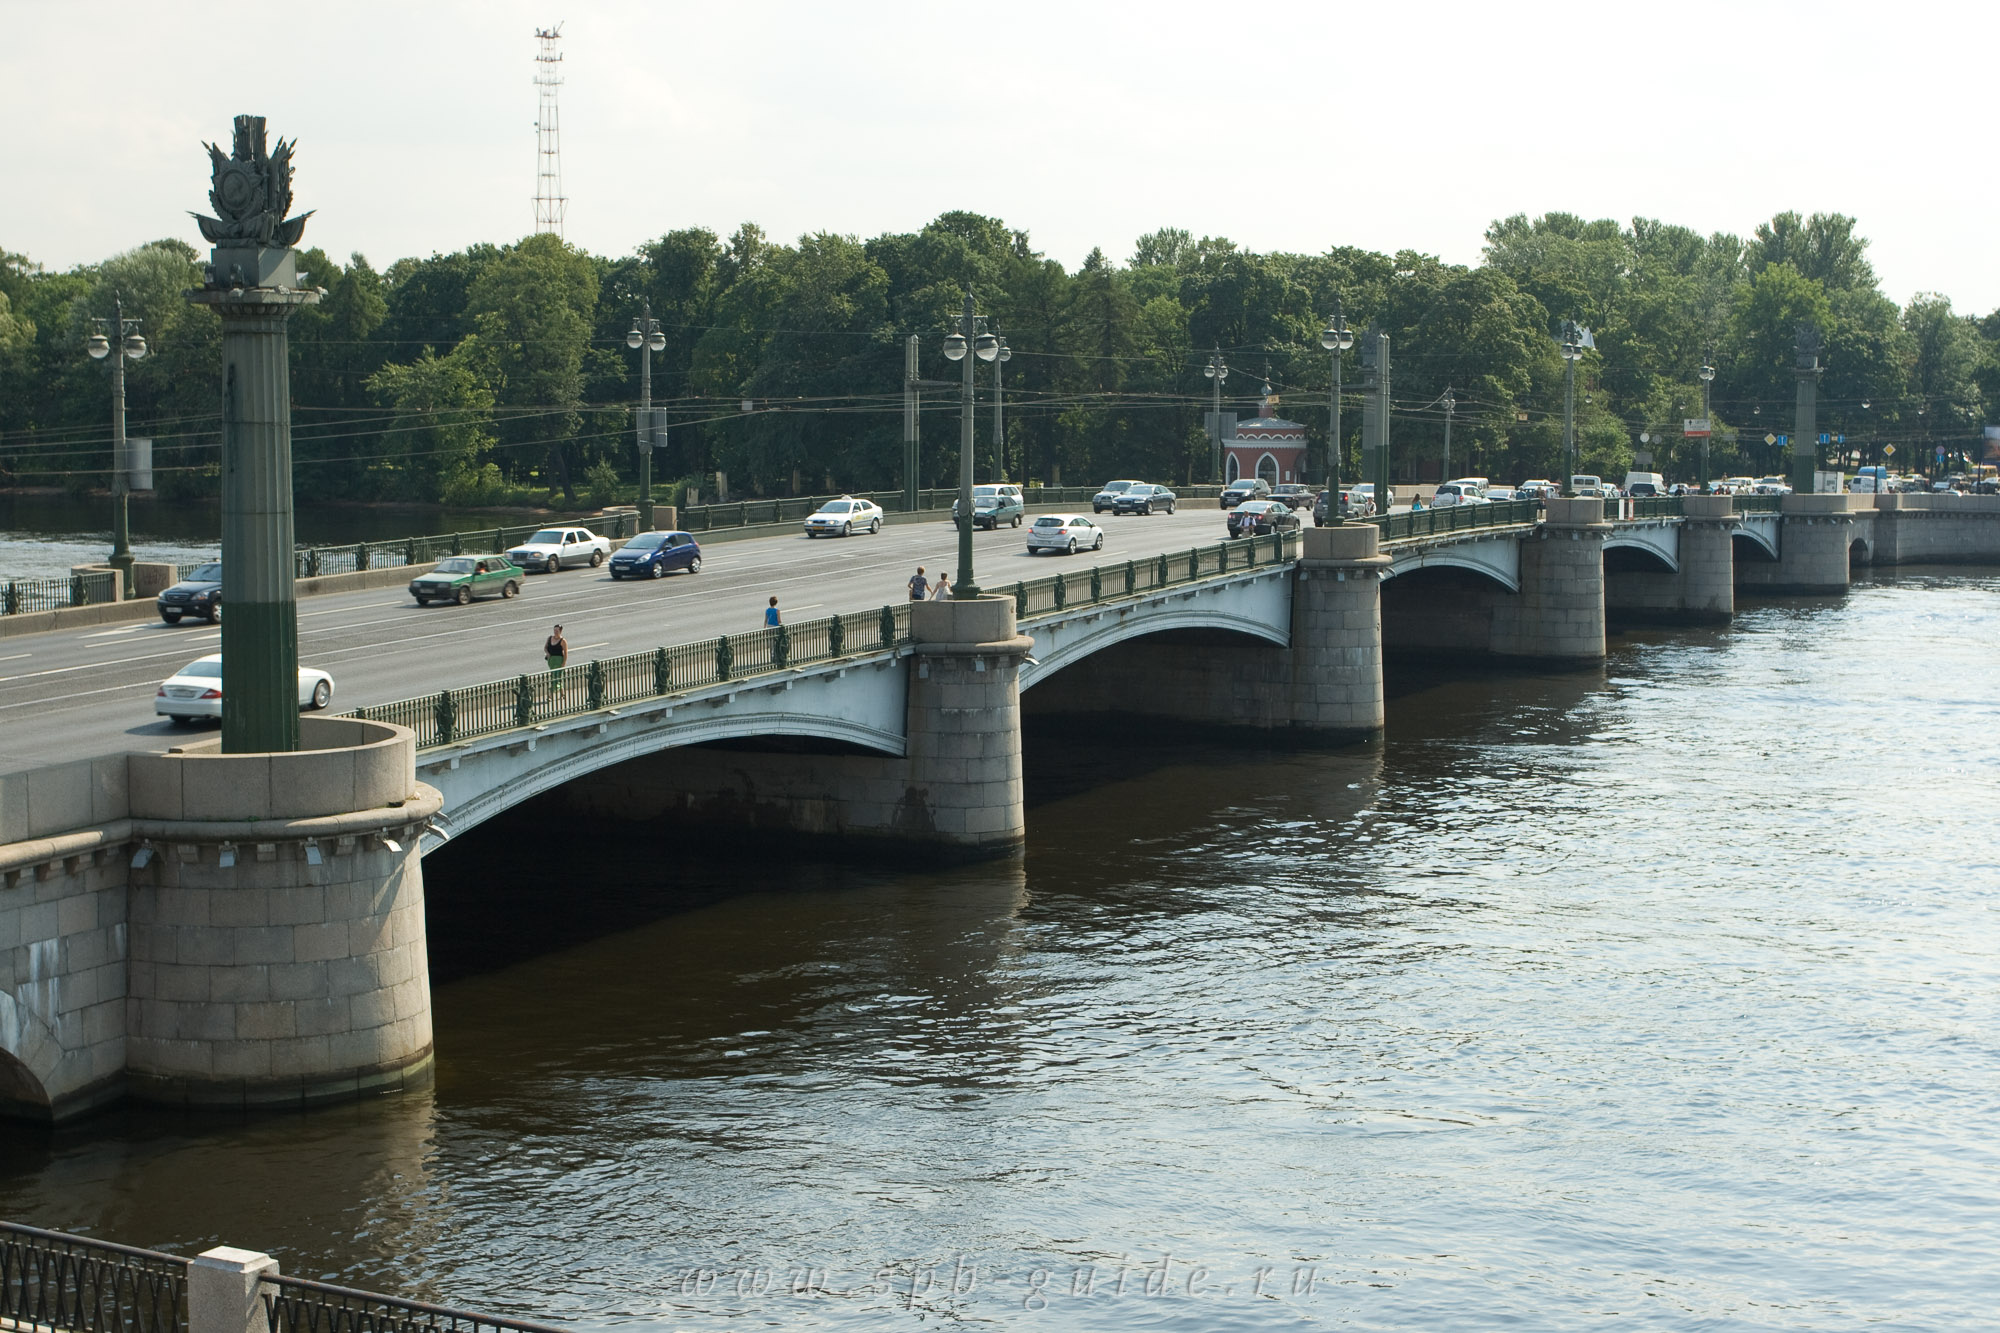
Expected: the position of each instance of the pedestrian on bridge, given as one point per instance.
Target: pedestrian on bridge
(919, 586)
(555, 651)
(771, 618)
(942, 591)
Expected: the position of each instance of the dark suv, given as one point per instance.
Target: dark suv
(1247, 488)
(199, 594)
(1293, 496)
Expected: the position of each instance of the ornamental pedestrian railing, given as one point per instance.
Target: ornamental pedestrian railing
(1758, 504)
(469, 712)
(1456, 518)
(53, 1281)
(1037, 598)
(296, 1305)
(19, 596)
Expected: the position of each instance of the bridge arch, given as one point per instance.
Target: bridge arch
(1071, 641)
(29, 1053)
(1756, 541)
(1660, 542)
(481, 801)
(1496, 559)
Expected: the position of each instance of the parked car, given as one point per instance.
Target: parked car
(1245, 488)
(654, 555)
(1536, 488)
(1293, 495)
(1108, 497)
(552, 548)
(1257, 518)
(993, 505)
(460, 578)
(1771, 486)
(196, 690)
(1143, 498)
(841, 517)
(199, 594)
(1503, 494)
(1064, 532)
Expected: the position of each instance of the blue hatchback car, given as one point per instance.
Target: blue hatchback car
(653, 555)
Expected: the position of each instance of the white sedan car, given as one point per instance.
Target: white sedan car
(1064, 532)
(841, 517)
(552, 548)
(196, 690)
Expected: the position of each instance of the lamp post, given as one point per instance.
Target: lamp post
(1450, 406)
(647, 339)
(1336, 338)
(1572, 352)
(985, 347)
(1004, 355)
(130, 345)
(1707, 373)
(1217, 370)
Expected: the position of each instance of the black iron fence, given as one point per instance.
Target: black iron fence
(53, 1281)
(1102, 583)
(296, 1305)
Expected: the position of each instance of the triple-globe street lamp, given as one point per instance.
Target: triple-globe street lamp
(1571, 346)
(1336, 338)
(646, 339)
(984, 347)
(130, 346)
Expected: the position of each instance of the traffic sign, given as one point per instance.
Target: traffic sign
(1694, 427)
(1888, 451)
(1770, 439)
(1940, 451)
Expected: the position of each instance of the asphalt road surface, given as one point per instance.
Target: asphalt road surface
(79, 693)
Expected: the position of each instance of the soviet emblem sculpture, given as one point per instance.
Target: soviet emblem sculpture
(252, 191)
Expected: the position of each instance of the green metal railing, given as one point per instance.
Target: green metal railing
(1758, 504)
(1456, 518)
(19, 596)
(1035, 598)
(450, 716)
(312, 561)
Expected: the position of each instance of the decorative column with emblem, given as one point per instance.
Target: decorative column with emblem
(252, 281)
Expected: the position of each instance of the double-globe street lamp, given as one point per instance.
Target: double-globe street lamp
(1217, 371)
(1336, 338)
(646, 339)
(984, 347)
(130, 345)
(1005, 355)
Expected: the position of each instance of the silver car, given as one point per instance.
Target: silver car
(1064, 532)
(842, 517)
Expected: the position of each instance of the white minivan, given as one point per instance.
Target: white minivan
(1645, 483)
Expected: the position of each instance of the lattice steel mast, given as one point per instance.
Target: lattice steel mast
(550, 201)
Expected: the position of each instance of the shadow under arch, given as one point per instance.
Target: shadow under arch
(23, 1036)
(1753, 544)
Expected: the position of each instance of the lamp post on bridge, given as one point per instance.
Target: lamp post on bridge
(1336, 338)
(984, 347)
(1707, 373)
(1217, 371)
(1571, 347)
(1450, 406)
(1000, 359)
(647, 339)
(125, 333)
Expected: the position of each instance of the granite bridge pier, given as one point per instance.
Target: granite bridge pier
(211, 929)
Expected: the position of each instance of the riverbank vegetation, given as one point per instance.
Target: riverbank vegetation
(499, 374)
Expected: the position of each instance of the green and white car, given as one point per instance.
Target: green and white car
(460, 578)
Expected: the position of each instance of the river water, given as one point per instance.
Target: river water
(1662, 997)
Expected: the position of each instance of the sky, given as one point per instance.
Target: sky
(1283, 125)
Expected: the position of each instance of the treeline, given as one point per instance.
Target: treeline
(498, 371)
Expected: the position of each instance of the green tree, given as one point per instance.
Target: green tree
(442, 427)
(531, 308)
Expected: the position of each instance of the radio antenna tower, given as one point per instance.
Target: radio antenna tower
(550, 201)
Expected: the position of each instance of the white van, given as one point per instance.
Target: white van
(1645, 483)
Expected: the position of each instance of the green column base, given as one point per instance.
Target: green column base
(260, 685)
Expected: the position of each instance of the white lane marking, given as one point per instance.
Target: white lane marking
(582, 647)
(340, 611)
(114, 633)
(16, 657)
